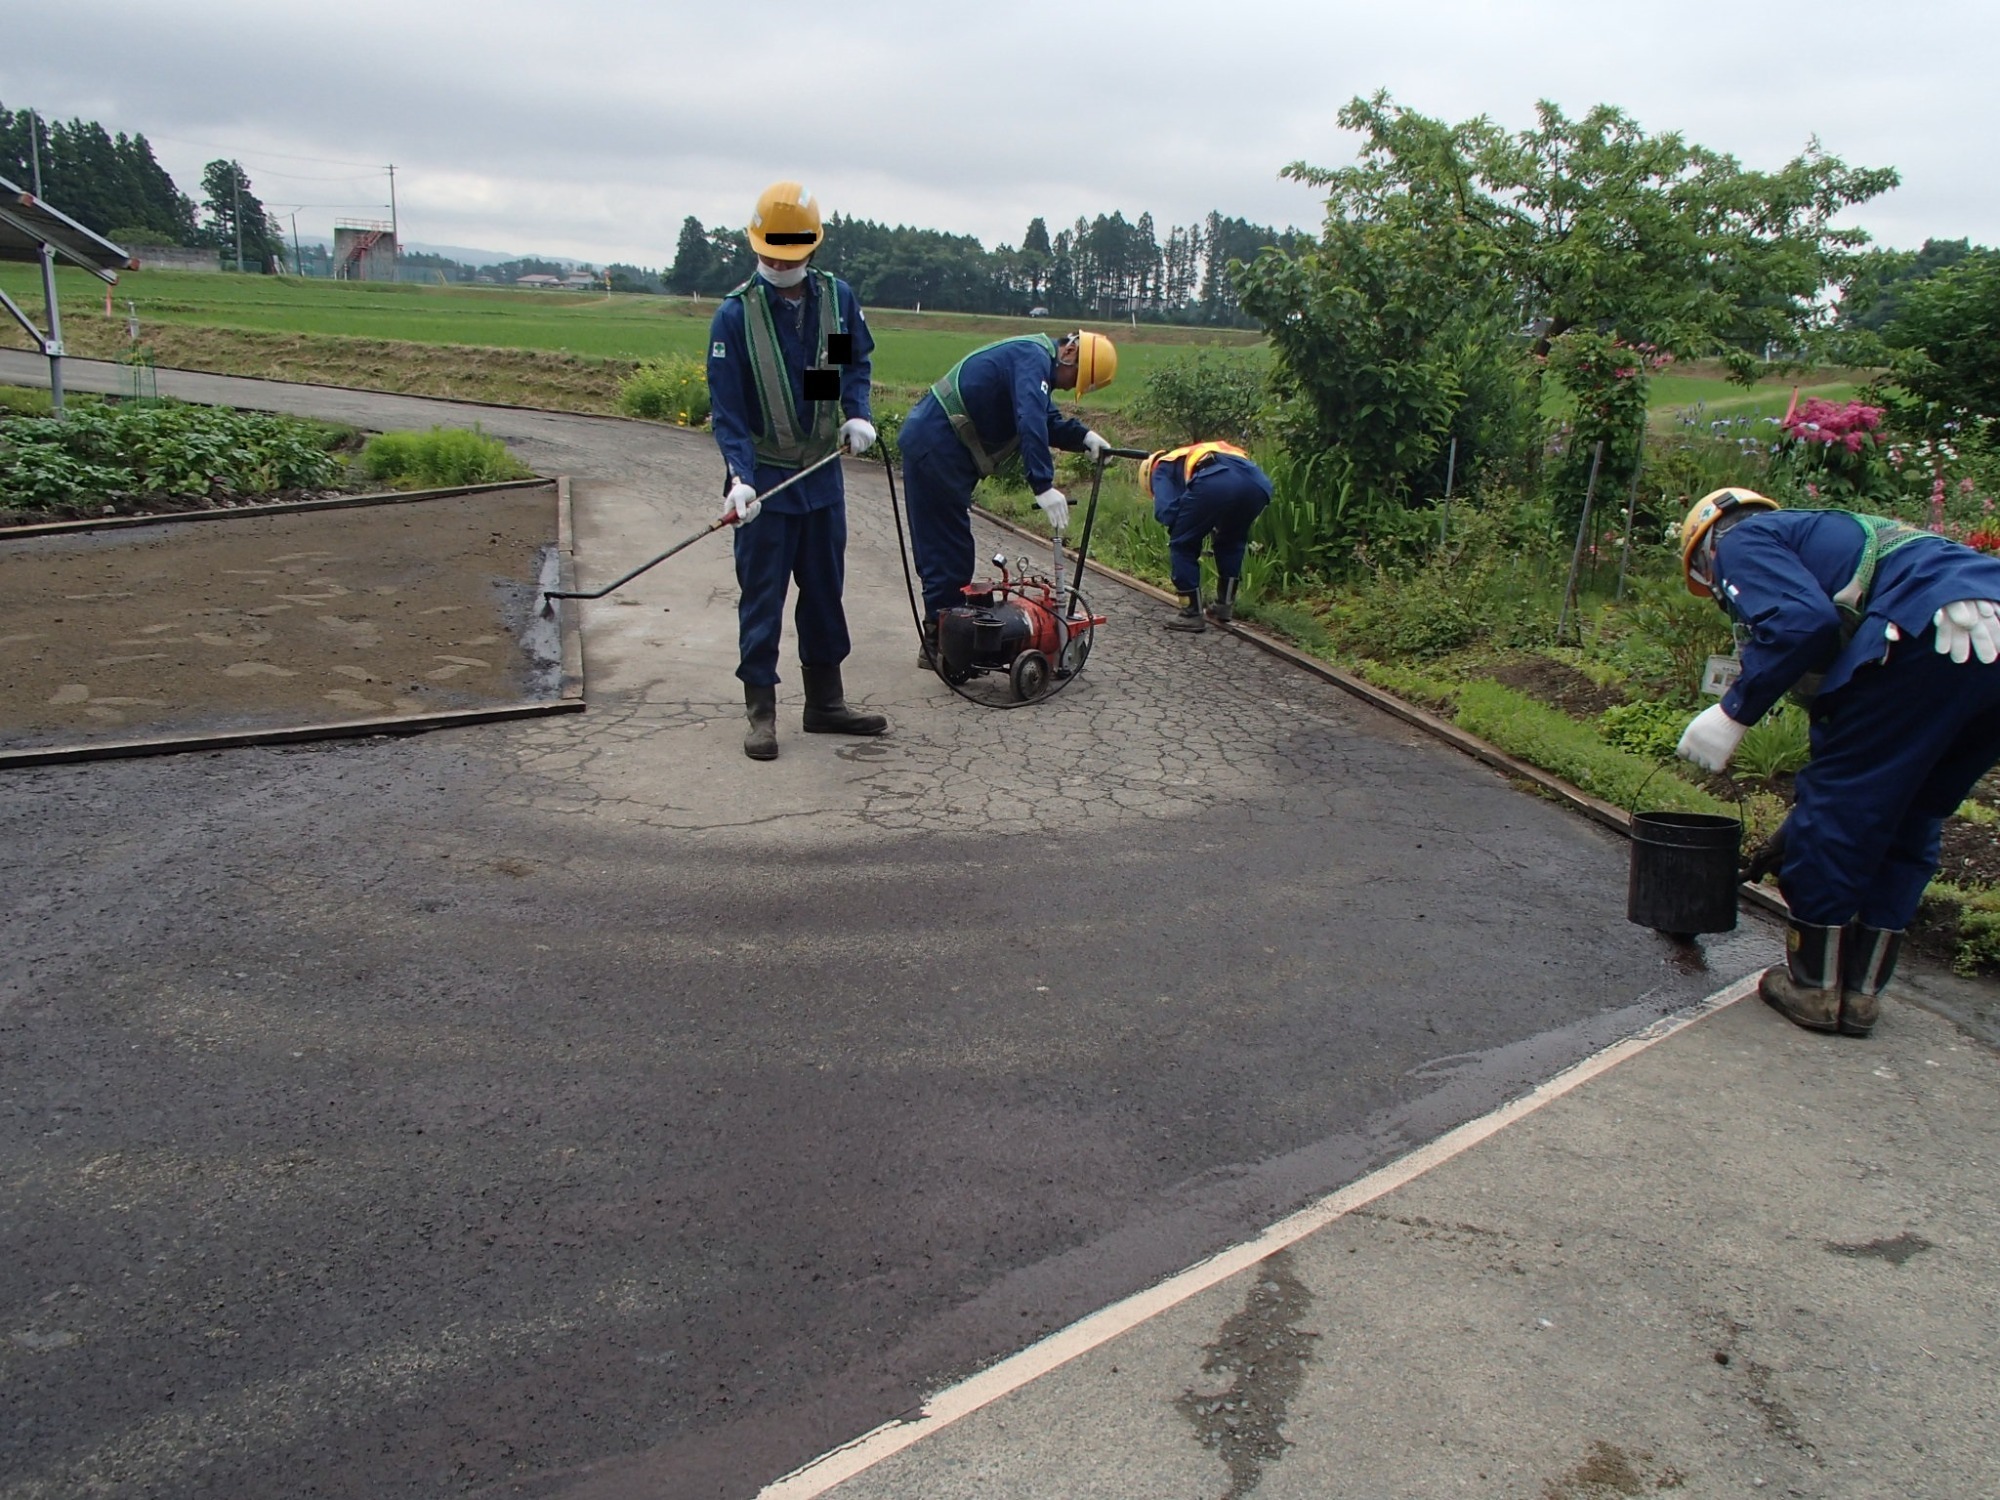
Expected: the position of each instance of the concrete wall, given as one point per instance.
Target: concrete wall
(175, 258)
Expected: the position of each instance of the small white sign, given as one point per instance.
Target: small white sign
(1721, 674)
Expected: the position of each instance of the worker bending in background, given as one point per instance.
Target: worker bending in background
(1205, 490)
(1891, 635)
(991, 403)
(784, 330)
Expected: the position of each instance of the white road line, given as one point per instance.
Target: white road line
(1059, 1348)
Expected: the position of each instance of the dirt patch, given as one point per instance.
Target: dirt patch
(1557, 684)
(250, 621)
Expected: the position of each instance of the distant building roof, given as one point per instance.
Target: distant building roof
(538, 279)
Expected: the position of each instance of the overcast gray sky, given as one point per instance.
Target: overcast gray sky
(591, 128)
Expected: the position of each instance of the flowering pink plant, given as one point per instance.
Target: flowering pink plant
(1850, 423)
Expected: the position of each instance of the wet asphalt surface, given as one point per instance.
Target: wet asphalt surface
(552, 1110)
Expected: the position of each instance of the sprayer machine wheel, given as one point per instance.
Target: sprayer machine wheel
(1029, 675)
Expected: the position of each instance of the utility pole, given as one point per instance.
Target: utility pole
(236, 187)
(298, 269)
(395, 234)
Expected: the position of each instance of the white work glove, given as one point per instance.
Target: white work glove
(857, 436)
(1055, 505)
(1711, 738)
(1096, 444)
(741, 503)
(1968, 628)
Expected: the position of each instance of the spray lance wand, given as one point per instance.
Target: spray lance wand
(549, 596)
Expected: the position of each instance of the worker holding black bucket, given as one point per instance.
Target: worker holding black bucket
(1890, 635)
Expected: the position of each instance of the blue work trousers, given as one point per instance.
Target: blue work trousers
(937, 494)
(1894, 752)
(773, 551)
(1223, 506)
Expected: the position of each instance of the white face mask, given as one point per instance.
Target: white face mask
(787, 278)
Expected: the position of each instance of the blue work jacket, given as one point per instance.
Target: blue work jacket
(734, 413)
(1776, 573)
(1224, 475)
(1006, 391)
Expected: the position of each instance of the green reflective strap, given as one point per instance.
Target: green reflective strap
(945, 390)
(784, 439)
(1884, 535)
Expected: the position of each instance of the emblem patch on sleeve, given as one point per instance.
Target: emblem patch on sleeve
(718, 350)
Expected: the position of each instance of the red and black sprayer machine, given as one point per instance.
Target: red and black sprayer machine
(1036, 628)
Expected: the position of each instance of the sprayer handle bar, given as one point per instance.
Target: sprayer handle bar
(1127, 453)
(685, 542)
(617, 583)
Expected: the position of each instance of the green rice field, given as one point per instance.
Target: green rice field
(912, 349)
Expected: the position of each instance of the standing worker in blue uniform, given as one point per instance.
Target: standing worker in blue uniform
(991, 403)
(1200, 491)
(787, 358)
(1891, 634)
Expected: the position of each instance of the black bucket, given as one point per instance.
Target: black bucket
(1684, 868)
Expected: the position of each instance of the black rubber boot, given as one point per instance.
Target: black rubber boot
(1189, 617)
(1805, 989)
(826, 706)
(1868, 963)
(761, 705)
(1224, 608)
(927, 653)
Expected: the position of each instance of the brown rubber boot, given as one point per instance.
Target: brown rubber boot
(927, 653)
(1189, 619)
(1805, 989)
(826, 706)
(760, 704)
(1868, 963)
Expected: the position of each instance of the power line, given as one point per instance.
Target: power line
(325, 161)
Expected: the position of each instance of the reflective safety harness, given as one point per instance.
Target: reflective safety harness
(785, 440)
(1881, 535)
(945, 391)
(1193, 456)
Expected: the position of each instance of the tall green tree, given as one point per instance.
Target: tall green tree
(107, 183)
(237, 220)
(1587, 229)
(1946, 338)
(694, 259)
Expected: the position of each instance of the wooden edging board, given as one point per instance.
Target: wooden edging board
(1595, 808)
(570, 699)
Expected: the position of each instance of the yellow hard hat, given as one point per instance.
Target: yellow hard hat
(785, 225)
(1709, 509)
(1096, 362)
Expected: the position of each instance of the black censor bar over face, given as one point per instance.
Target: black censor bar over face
(791, 237)
(824, 384)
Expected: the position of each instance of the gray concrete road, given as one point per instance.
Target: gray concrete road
(577, 1106)
(1750, 1261)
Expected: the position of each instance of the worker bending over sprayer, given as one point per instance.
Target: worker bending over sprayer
(991, 403)
(1201, 491)
(1890, 636)
(787, 357)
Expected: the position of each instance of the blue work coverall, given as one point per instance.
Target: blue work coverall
(1222, 498)
(1899, 733)
(1005, 389)
(801, 534)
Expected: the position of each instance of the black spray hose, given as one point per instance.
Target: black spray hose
(917, 619)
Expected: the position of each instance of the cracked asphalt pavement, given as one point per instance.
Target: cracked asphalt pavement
(574, 1107)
